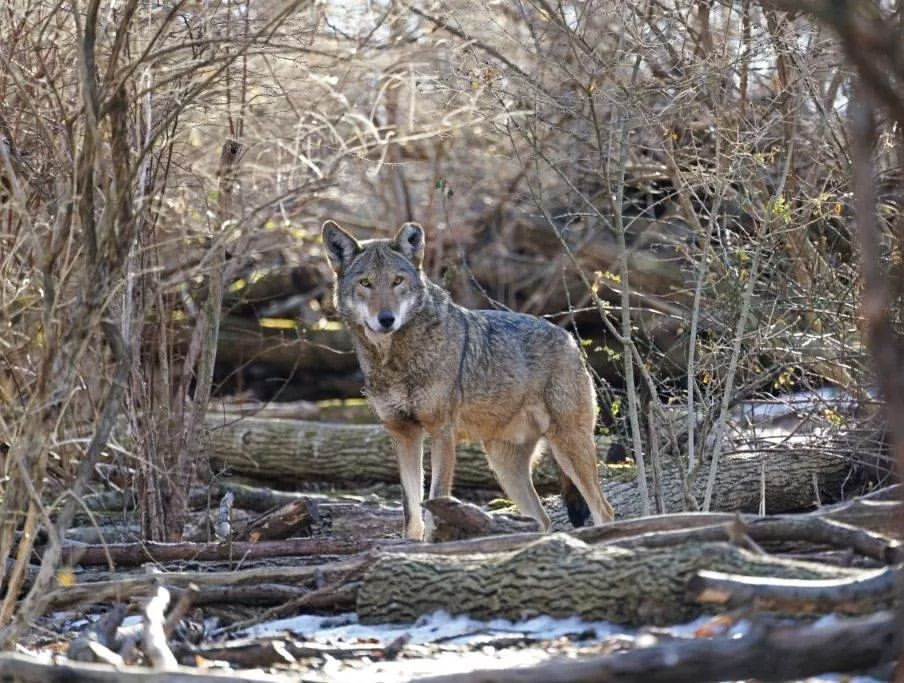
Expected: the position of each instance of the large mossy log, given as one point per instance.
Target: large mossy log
(561, 576)
(298, 450)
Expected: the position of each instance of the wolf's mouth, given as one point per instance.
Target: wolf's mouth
(379, 329)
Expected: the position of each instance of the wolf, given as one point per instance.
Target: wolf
(505, 379)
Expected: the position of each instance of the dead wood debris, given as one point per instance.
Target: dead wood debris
(344, 571)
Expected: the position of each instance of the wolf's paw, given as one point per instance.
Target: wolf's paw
(578, 511)
(415, 531)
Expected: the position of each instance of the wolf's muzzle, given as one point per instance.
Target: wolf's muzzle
(386, 320)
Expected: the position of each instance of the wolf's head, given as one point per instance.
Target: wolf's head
(379, 283)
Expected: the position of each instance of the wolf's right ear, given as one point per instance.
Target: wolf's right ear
(341, 247)
(409, 240)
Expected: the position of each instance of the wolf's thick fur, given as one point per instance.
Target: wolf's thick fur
(505, 379)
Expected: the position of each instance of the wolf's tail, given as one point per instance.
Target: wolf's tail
(578, 510)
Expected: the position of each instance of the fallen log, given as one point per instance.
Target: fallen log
(260, 595)
(326, 451)
(561, 576)
(861, 594)
(243, 341)
(769, 652)
(354, 410)
(339, 517)
(321, 451)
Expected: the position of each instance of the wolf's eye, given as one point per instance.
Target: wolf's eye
(364, 282)
(398, 280)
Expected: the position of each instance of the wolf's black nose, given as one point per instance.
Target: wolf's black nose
(386, 319)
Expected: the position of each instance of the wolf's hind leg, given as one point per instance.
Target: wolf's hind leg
(511, 463)
(575, 454)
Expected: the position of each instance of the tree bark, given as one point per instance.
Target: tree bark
(860, 594)
(561, 576)
(320, 451)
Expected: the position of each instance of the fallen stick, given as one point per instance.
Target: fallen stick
(248, 653)
(261, 652)
(125, 588)
(295, 517)
(260, 595)
(25, 669)
(769, 652)
(135, 554)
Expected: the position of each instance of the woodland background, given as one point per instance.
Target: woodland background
(707, 193)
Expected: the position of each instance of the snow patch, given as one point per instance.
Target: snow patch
(437, 627)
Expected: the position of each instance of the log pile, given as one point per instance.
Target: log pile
(807, 467)
(252, 554)
(655, 570)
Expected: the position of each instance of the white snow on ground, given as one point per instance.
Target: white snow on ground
(436, 627)
(446, 630)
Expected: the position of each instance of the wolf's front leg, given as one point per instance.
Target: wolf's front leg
(408, 441)
(442, 468)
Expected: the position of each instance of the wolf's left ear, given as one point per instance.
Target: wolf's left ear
(409, 240)
(341, 247)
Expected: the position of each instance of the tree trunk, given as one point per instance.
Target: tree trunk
(561, 576)
(320, 451)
